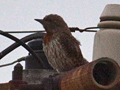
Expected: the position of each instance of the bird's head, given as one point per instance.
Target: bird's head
(53, 23)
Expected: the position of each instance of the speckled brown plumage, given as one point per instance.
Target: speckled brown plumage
(61, 48)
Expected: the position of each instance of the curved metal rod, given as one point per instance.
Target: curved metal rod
(24, 45)
(24, 39)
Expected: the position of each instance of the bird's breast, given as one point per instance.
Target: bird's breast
(47, 38)
(56, 55)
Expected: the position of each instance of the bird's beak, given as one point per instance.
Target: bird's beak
(40, 20)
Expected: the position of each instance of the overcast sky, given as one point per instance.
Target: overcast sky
(20, 14)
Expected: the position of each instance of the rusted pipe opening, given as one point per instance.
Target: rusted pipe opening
(105, 72)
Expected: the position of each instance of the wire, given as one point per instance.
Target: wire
(24, 39)
(72, 29)
(86, 29)
(18, 60)
(24, 45)
(24, 31)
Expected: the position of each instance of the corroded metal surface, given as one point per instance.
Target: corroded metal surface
(31, 87)
(98, 75)
(17, 73)
(35, 76)
(5, 86)
(14, 85)
(102, 74)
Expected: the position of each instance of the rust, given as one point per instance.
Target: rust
(31, 87)
(14, 84)
(98, 75)
(17, 77)
(116, 87)
(48, 83)
(17, 73)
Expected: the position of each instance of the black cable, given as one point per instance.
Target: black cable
(24, 45)
(24, 39)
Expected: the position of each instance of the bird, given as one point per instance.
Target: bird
(61, 48)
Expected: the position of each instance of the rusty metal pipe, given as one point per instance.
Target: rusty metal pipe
(101, 74)
(31, 87)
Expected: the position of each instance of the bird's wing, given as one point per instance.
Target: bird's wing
(71, 46)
